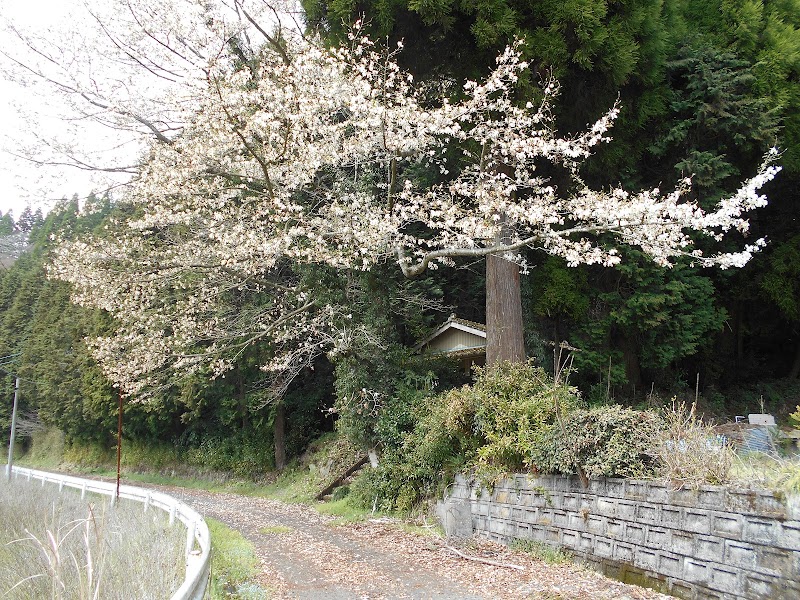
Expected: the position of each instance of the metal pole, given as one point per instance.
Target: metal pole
(13, 431)
(119, 441)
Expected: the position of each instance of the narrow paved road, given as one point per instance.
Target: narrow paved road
(305, 555)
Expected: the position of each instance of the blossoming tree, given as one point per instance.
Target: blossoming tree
(295, 154)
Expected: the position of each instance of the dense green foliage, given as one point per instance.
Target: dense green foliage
(705, 87)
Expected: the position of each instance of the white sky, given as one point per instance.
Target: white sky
(22, 183)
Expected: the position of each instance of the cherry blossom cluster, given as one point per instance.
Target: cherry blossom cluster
(303, 155)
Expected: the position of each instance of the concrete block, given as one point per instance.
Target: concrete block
(626, 510)
(552, 534)
(636, 490)
(622, 552)
(457, 518)
(728, 525)
(501, 496)
(597, 486)
(669, 564)
(738, 554)
(586, 543)
(709, 548)
(683, 496)
(615, 528)
(596, 524)
(570, 502)
(615, 488)
(635, 533)
(711, 497)
(603, 547)
(682, 542)
(577, 521)
(695, 571)
(724, 580)
(756, 585)
(560, 518)
(777, 561)
(570, 539)
(760, 530)
(657, 492)
(741, 501)
(657, 537)
(648, 513)
(671, 516)
(646, 559)
(680, 589)
(605, 507)
(697, 521)
(518, 514)
(790, 535)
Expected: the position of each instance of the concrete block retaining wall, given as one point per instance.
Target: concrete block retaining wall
(711, 542)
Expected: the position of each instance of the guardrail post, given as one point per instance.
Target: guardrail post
(191, 529)
(147, 502)
(172, 510)
(83, 491)
(60, 485)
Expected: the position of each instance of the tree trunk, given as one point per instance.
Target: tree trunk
(505, 340)
(279, 436)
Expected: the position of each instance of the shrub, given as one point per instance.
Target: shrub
(489, 426)
(609, 441)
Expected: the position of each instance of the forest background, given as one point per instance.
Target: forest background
(705, 88)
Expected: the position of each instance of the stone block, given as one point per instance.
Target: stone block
(709, 548)
(738, 554)
(724, 580)
(764, 531)
(728, 525)
(657, 537)
(635, 533)
(697, 521)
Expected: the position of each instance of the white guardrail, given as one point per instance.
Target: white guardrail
(198, 563)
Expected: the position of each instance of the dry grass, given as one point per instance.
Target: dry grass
(59, 546)
(689, 451)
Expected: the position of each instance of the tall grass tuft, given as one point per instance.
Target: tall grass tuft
(58, 546)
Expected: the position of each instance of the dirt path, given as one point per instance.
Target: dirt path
(305, 555)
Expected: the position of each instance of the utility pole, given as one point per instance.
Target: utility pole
(13, 431)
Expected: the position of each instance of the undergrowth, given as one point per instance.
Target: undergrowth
(234, 566)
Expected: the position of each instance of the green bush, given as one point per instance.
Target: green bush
(489, 427)
(609, 441)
